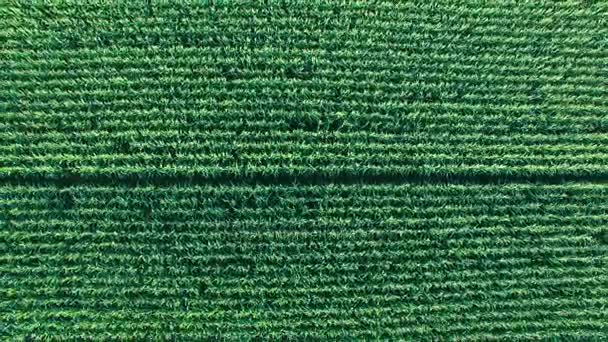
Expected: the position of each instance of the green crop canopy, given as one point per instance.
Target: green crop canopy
(303, 170)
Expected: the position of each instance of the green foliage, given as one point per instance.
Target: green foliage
(291, 169)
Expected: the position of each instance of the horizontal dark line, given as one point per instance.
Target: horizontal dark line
(346, 179)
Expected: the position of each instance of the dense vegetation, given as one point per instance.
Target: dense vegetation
(321, 169)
